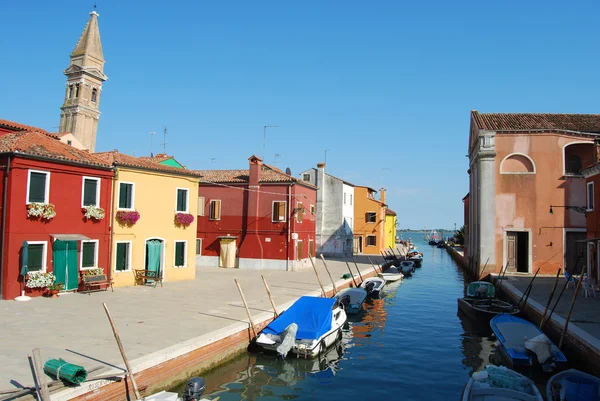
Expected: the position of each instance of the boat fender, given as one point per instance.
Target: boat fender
(480, 375)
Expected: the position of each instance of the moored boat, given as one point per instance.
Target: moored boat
(573, 385)
(318, 323)
(524, 344)
(407, 267)
(391, 274)
(480, 304)
(352, 299)
(373, 286)
(193, 390)
(498, 383)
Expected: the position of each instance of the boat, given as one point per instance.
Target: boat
(373, 286)
(573, 385)
(433, 238)
(193, 390)
(480, 304)
(441, 244)
(352, 299)
(416, 257)
(523, 343)
(318, 323)
(498, 383)
(391, 274)
(407, 267)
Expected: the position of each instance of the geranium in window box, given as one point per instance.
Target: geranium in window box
(128, 218)
(43, 210)
(183, 219)
(92, 272)
(39, 279)
(93, 212)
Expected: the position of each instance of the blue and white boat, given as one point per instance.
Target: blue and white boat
(573, 385)
(523, 343)
(306, 328)
(352, 299)
(498, 383)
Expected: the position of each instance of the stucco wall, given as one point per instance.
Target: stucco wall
(390, 231)
(362, 205)
(155, 200)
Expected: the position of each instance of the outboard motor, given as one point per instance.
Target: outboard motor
(194, 389)
(369, 286)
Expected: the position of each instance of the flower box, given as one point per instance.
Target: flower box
(93, 212)
(183, 219)
(43, 210)
(39, 279)
(128, 218)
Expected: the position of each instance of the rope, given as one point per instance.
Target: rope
(58, 369)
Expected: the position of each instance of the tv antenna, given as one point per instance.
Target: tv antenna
(275, 161)
(165, 141)
(151, 138)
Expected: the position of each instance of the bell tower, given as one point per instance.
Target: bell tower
(85, 75)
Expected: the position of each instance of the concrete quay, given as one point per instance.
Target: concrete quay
(168, 333)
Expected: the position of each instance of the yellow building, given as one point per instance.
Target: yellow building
(369, 221)
(152, 204)
(390, 228)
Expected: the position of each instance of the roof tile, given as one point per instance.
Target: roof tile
(121, 159)
(20, 127)
(269, 174)
(537, 121)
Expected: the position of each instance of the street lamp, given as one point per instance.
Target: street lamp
(578, 209)
(265, 136)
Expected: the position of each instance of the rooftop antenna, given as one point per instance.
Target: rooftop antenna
(212, 159)
(165, 141)
(94, 6)
(275, 161)
(151, 137)
(382, 170)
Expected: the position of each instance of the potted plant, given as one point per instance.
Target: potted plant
(39, 279)
(93, 212)
(127, 218)
(43, 210)
(54, 289)
(183, 219)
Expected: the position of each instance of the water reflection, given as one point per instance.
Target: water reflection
(477, 343)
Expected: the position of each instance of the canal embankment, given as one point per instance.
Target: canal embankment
(168, 333)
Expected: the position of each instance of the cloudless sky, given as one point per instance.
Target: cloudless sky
(386, 86)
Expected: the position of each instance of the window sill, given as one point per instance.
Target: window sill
(88, 268)
(126, 209)
(122, 271)
(179, 267)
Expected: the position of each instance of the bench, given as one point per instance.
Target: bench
(141, 275)
(95, 282)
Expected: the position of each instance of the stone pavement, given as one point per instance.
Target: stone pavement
(75, 327)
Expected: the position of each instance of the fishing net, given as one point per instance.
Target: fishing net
(65, 371)
(502, 377)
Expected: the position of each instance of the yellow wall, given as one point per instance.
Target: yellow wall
(390, 231)
(362, 205)
(154, 198)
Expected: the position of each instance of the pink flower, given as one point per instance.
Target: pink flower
(184, 219)
(127, 217)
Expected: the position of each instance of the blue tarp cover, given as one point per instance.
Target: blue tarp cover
(311, 314)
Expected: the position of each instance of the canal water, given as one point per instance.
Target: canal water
(409, 345)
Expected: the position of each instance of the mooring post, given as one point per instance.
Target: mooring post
(122, 350)
(356, 264)
(373, 265)
(562, 337)
(549, 299)
(246, 306)
(318, 278)
(331, 278)
(351, 274)
(269, 294)
(40, 375)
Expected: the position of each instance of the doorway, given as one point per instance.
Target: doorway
(517, 251)
(66, 263)
(227, 252)
(154, 256)
(574, 251)
(358, 245)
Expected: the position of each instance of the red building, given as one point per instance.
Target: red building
(45, 185)
(259, 218)
(592, 206)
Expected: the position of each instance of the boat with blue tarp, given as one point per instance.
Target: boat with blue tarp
(573, 385)
(310, 325)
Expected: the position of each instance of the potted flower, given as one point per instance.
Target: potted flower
(43, 210)
(183, 219)
(93, 212)
(39, 279)
(127, 218)
(54, 289)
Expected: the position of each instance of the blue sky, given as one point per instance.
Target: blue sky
(386, 86)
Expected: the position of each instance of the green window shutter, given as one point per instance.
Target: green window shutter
(89, 192)
(36, 255)
(179, 254)
(125, 196)
(122, 253)
(198, 247)
(37, 188)
(89, 254)
(181, 200)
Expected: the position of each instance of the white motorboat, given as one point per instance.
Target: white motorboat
(391, 274)
(373, 286)
(318, 322)
(352, 299)
(499, 383)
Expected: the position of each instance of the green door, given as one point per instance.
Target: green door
(66, 267)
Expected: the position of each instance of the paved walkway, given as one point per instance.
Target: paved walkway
(74, 326)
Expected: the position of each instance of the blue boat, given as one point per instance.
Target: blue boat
(523, 343)
(573, 385)
(352, 299)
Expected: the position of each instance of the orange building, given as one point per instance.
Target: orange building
(527, 194)
(369, 221)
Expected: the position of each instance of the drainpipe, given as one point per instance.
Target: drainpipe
(4, 205)
(112, 225)
(289, 222)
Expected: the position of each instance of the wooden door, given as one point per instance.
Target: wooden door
(574, 251)
(511, 251)
(299, 250)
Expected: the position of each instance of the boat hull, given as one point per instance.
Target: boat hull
(480, 312)
(562, 383)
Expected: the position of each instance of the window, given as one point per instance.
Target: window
(371, 240)
(350, 199)
(69, 142)
(77, 90)
(70, 91)
(590, 196)
(201, 206)
(198, 246)
(180, 253)
(215, 210)
(89, 254)
(123, 256)
(344, 198)
(279, 211)
(371, 217)
(94, 95)
(38, 186)
(573, 164)
(311, 248)
(182, 200)
(312, 209)
(37, 255)
(90, 192)
(126, 195)
(300, 212)
(306, 177)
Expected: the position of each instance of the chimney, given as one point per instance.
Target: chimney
(255, 171)
(382, 195)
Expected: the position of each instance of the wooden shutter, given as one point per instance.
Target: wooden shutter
(311, 248)
(36, 255)
(90, 188)
(281, 211)
(37, 188)
(181, 200)
(201, 206)
(125, 196)
(179, 248)
(88, 258)
(215, 209)
(122, 251)
(300, 212)
(198, 246)
(300, 250)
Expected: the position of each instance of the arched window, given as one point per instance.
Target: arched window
(517, 163)
(573, 164)
(77, 90)
(70, 91)
(94, 95)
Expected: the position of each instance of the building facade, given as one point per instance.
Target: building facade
(147, 233)
(592, 194)
(259, 218)
(46, 188)
(526, 190)
(391, 222)
(335, 212)
(369, 221)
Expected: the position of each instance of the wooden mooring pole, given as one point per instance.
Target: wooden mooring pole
(562, 337)
(543, 321)
(40, 376)
(246, 306)
(356, 264)
(373, 265)
(122, 350)
(351, 274)
(318, 278)
(269, 294)
(329, 274)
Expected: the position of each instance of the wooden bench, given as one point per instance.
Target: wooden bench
(141, 275)
(95, 282)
